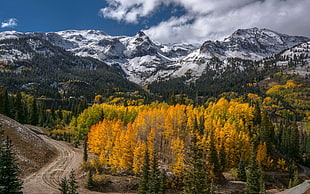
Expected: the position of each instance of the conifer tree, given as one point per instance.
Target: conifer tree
(196, 176)
(144, 182)
(154, 180)
(241, 170)
(90, 182)
(69, 186)
(18, 108)
(254, 176)
(64, 186)
(4, 103)
(33, 112)
(266, 131)
(9, 181)
(72, 183)
(294, 145)
(163, 182)
(213, 156)
(257, 115)
(85, 152)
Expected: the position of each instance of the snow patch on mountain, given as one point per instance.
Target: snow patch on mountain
(145, 61)
(300, 54)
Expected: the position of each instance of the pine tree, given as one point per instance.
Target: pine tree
(241, 170)
(4, 103)
(64, 186)
(196, 176)
(85, 153)
(72, 183)
(257, 115)
(18, 108)
(69, 186)
(33, 111)
(9, 181)
(154, 180)
(144, 182)
(172, 100)
(90, 182)
(266, 131)
(293, 175)
(213, 156)
(294, 146)
(163, 182)
(254, 179)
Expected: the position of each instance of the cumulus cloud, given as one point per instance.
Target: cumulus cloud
(214, 19)
(10, 23)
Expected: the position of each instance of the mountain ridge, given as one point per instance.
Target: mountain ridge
(144, 61)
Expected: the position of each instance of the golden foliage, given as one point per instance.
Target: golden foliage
(121, 139)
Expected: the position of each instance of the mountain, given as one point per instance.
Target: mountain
(296, 60)
(251, 43)
(141, 60)
(33, 64)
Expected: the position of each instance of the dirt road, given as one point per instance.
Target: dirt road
(47, 179)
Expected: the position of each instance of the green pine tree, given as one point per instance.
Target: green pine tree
(9, 181)
(4, 103)
(72, 183)
(163, 182)
(196, 176)
(33, 111)
(266, 131)
(257, 115)
(241, 170)
(213, 156)
(18, 108)
(90, 181)
(64, 186)
(144, 182)
(85, 151)
(69, 186)
(254, 176)
(154, 180)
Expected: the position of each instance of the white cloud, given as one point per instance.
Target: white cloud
(214, 19)
(10, 23)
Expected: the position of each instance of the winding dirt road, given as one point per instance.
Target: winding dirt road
(47, 179)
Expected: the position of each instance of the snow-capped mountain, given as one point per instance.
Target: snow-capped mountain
(144, 61)
(251, 43)
(296, 59)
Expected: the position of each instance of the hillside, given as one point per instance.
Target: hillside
(31, 150)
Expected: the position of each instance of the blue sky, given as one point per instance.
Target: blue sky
(163, 20)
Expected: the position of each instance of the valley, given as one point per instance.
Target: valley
(131, 115)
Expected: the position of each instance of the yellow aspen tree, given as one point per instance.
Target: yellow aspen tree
(151, 142)
(116, 153)
(128, 141)
(261, 155)
(175, 121)
(138, 160)
(177, 151)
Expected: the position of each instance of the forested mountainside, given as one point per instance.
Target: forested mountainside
(86, 63)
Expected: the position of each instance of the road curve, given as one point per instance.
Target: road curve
(47, 179)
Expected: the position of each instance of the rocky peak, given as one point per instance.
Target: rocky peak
(247, 43)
